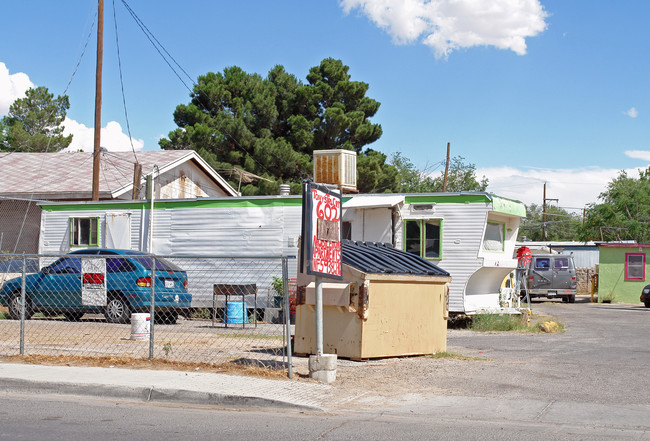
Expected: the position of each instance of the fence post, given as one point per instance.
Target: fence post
(22, 308)
(287, 312)
(152, 303)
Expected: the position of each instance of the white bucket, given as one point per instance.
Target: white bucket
(140, 326)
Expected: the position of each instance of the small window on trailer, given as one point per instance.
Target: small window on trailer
(84, 231)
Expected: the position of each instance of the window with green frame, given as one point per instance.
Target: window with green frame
(84, 231)
(494, 239)
(423, 237)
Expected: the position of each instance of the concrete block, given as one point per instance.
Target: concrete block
(326, 362)
(322, 368)
(323, 376)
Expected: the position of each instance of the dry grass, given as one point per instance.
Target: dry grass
(234, 367)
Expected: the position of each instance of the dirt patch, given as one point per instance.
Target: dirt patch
(234, 367)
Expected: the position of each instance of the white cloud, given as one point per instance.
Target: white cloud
(111, 137)
(638, 154)
(574, 188)
(632, 113)
(12, 87)
(447, 25)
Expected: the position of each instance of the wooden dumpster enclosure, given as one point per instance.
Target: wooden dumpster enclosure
(390, 303)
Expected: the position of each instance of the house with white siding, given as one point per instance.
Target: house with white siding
(26, 178)
(469, 234)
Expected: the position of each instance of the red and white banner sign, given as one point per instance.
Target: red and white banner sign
(322, 230)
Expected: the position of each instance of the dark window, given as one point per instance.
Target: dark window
(543, 263)
(84, 231)
(561, 263)
(422, 237)
(346, 230)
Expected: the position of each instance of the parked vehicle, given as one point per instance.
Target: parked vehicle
(551, 276)
(62, 288)
(645, 296)
(10, 269)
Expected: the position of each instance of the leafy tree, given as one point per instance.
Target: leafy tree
(559, 225)
(623, 214)
(270, 126)
(460, 177)
(34, 123)
(378, 176)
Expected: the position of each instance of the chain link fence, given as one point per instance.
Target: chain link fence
(178, 308)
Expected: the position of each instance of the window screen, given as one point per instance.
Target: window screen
(635, 266)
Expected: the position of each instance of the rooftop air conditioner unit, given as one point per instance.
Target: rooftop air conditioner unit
(338, 167)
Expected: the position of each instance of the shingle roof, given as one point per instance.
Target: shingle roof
(381, 258)
(71, 172)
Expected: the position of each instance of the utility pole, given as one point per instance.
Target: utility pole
(98, 98)
(444, 182)
(544, 212)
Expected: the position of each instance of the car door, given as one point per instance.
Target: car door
(59, 288)
(562, 272)
(540, 276)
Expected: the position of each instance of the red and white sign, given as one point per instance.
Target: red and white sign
(322, 230)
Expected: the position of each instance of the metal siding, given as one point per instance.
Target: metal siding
(462, 235)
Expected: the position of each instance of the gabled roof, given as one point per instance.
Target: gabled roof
(54, 174)
(381, 258)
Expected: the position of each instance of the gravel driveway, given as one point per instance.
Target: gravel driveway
(600, 359)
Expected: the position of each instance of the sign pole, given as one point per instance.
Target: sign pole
(321, 257)
(318, 280)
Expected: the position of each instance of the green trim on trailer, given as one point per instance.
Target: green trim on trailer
(453, 198)
(508, 206)
(163, 204)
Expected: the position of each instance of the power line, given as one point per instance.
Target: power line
(119, 64)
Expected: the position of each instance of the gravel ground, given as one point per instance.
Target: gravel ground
(597, 359)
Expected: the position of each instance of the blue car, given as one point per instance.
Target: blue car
(57, 288)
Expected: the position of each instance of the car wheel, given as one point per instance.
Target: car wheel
(647, 304)
(73, 316)
(15, 305)
(572, 298)
(117, 310)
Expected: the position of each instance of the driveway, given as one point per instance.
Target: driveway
(601, 359)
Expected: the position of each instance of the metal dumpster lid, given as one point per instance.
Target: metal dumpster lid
(382, 258)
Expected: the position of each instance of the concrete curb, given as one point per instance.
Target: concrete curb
(147, 394)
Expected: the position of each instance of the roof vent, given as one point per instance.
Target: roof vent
(338, 167)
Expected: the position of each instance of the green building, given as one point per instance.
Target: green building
(623, 271)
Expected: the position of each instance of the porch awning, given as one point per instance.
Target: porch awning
(373, 201)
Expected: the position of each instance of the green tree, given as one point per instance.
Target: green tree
(623, 213)
(460, 177)
(270, 126)
(559, 224)
(34, 123)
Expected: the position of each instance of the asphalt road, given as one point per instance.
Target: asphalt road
(587, 383)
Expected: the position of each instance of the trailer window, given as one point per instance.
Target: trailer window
(494, 236)
(423, 237)
(84, 231)
(634, 266)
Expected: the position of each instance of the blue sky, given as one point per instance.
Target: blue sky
(530, 91)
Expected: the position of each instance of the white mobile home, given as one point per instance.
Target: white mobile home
(470, 235)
